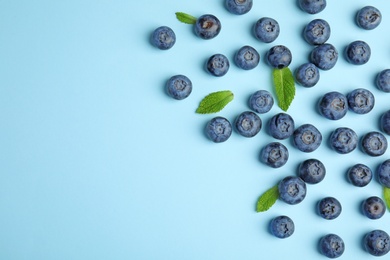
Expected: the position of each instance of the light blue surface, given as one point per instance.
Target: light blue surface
(97, 162)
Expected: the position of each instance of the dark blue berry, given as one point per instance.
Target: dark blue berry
(179, 87)
(359, 175)
(266, 29)
(218, 129)
(316, 32)
(373, 207)
(343, 140)
(279, 57)
(377, 242)
(239, 6)
(331, 246)
(248, 124)
(218, 65)
(333, 105)
(274, 155)
(163, 38)
(261, 101)
(292, 190)
(368, 17)
(329, 208)
(361, 101)
(358, 53)
(207, 26)
(312, 6)
(281, 126)
(307, 75)
(307, 138)
(324, 56)
(383, 80)
(282, 227)
(383, 173)
(311, 171)
(385, 122)
(247, 58)
(374, 144)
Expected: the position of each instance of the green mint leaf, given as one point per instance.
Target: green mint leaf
(268, 199)
(386, 195)
(284, 86)
(185, 18)
(215, 102)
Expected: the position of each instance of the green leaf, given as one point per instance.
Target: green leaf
(268, 199)
(284, 86)
(185, 18)
(386, 195)
(215, 102)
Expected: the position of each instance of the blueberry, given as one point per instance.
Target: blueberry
(207, 26)
(329, 208)
(385, 122)
(312, 6)
(281, 126)
(360, 101)
(307, 138)
(373, 207)
(247, 58)
(333, 105)
(331, 246)
(218, 65)
(368, 17)
(274, 154)
(163, 38)
(292, 190)
(239, 6)
(383, 173)
(179, 87)
(316, 32)
(359, 175)
(383, 80)
(219, 129)
(261, 101)
(266, 29)
(377, 242)
(324, 56)
(343, 140)
(358, 53)
(282, 226)
(374, 144)
(279, 57)
(248, 124)
(307, 75)
(311, 171)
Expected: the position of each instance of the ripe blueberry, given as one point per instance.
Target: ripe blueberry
(331, 246)
(333, 105)
(279, 57)
(274, 155)
(385, 122)
(316, 32)
(359, 175)
(307, 75)
(373, 207)
(329, 208)
(368, 17)
(307, 138)
(358, 52)
(282, 227)
(292, 190)
(312, 6)
(163, 38)
(374, 143)
(266, 29)
(239, 6)
(248, 124)
(383, 173)
(207, 26)
(377, 242)
(343, 140)
(261, 101)
(383, 80)
(311, 171)
(361, 101)
(281, 126)
(218, 65)
(179, 87)
(247, 58)
(324, 56)
(218, 129)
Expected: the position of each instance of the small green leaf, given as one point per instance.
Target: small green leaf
(215, 102)
(268, 199)
(284, 87)
(386, 195)
(185, 18)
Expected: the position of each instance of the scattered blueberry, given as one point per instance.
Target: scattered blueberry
(329, 208)
(374, 143)
(281, 126)
(266, 29)
(218, 65)
(383, 173)
(373, 207)
(312, 6)
(307, 138)
(207, 26)
(359, 175)
(307, 75)
(292, 190)
(361, 101)
(377, 242)
(324, 56)
(238, 6)
(163, 38)
(316, 32)
(383, 80)
(311, 171)
(331, 246)
(219, 129)
(247, 58)
(343, 140)
(274, 154)
(279, 57)
(368, 17)
(248, 124)
(261, 101)
(333, 105)
(385, 122)
(282, 226)
(179, 87)
(358, 52)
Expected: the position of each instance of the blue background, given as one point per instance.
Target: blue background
(98, 162)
